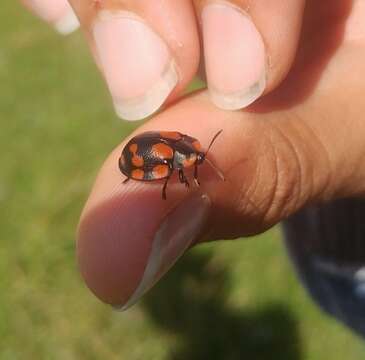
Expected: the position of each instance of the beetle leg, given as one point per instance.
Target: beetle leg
(181, 176)
(197, 183)
(183, 179)
(126, 180)
(165, 187)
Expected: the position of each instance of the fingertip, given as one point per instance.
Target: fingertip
(114, 243)
(127, 242)
(249, 47)
(58, 13)
(68, 23)
(147, 51)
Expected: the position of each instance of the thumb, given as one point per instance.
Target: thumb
(276, 160)
(274, 164)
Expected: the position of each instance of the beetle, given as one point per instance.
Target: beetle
(155, 155)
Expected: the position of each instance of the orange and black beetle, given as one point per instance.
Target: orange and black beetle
(154, 155)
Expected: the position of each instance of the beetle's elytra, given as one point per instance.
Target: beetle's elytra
(154, 155)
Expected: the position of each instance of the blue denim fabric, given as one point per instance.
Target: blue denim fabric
(327, 246)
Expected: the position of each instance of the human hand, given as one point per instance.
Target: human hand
(300, 144)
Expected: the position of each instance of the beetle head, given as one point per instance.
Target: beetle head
(200, 158)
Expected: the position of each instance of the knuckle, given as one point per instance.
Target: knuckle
(284, 166)
(288, 172)
(284, 178)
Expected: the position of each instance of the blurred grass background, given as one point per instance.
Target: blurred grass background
(234, 300)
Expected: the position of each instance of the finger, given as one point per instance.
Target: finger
(274, 163)
(57, 12)
(148, 50)
(249, 47)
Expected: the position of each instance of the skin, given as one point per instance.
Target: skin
(300, 144)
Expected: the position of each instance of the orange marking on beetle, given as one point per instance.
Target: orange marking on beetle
(196, 145)
(189, 161)
(160, 171)
(133, 148)
(137, 174)
(173, 135)
(162, 151)
(137, 161)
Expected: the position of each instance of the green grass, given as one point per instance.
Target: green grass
(233, 300)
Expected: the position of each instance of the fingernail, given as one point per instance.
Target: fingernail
(174, 236)
(235, 56)
(136, 62)
(59, 13)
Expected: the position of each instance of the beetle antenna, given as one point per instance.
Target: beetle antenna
(214, 138)
(218, 172)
